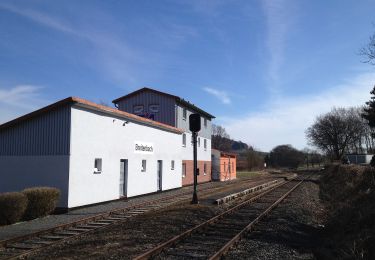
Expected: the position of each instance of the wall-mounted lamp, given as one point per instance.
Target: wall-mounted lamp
(126, 122)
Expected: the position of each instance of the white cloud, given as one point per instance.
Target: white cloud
(19, 100)
(278, 17)
(285, 120)
(220, 94)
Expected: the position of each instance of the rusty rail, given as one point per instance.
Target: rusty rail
(248, 228)
(158, 249)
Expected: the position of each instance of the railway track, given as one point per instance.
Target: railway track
(25, 245)
(214, 237)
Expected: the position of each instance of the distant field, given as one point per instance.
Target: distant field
(247, 174)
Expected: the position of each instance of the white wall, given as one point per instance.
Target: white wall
(202, 154)
(20, 172)
(96, 135)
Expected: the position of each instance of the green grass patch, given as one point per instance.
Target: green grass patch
(247, 174)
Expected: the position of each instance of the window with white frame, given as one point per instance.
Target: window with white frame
(183, 170)
(205, 122)
(205, 144)
(183, 140)
(204, 169)
(184, 113)
(172, 165)
(98, 165)
(143, 169)
(199, 141)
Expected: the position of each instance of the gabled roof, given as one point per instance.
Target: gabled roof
(93, 106)
(178, 100)
(226, 154)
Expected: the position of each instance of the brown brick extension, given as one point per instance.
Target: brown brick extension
(189, 176)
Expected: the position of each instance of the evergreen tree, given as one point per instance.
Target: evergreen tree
(369, 110)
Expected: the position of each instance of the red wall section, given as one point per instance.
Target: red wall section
(189, 178)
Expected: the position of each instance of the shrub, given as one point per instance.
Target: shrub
(372, 163)
(42, 201)
(12, 207)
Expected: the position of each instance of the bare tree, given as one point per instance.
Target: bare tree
(369, 51)
(337, 132)
(220, 139)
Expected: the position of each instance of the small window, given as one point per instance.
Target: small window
(205, 144)
(183, 170)
(138, 109)
(205, 122)
(229, 167)
(143, 166)
(204, 169)
(225, 167)
(154, 108)
(183, 140)
(172, 165)
(199, 141)
(98, 165)
(184, 114)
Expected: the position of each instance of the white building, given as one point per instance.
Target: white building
(174, 111)
(92, 153)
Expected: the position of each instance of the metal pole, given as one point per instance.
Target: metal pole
(195, 196)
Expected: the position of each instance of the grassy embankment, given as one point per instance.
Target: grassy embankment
(348, 192)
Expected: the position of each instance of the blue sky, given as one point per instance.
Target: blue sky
(265, 69)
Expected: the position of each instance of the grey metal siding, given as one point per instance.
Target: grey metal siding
(205, 132)
(46, 134)
(166, 104)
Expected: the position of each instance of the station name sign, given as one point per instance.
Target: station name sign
(142, 147)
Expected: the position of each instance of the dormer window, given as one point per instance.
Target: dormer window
(154, 108)
(138, 109)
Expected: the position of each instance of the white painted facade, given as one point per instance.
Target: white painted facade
(95, 132)
(203, 154)
(97, 135)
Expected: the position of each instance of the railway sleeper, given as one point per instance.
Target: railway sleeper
(215, 233)
(227, 230)
(109, 221)
(236, 227)
(22, 246)
(67, 233)
(40, 242)
(205, 238)
(200, 242)
(184, 254)
(117, 218)
(52, 237)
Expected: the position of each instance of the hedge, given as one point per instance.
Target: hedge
(12, 207)
(42, 201)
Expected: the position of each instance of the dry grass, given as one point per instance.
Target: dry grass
(349, 194)
(248, 174)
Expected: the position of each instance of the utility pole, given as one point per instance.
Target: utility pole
(195, 127)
